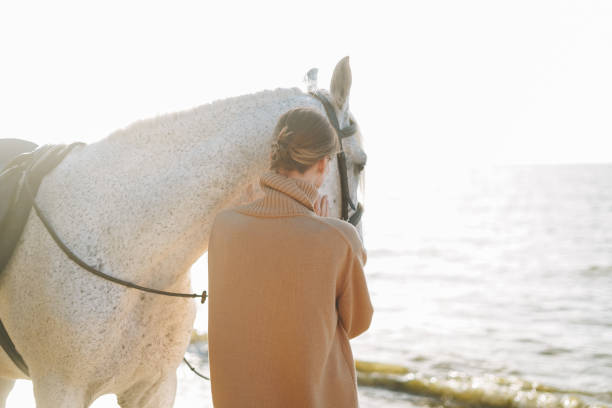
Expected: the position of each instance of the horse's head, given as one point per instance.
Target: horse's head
(352, 146)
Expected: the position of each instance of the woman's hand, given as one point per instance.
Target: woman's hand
(321, 206)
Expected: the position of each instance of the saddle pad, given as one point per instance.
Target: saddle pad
(15, 199)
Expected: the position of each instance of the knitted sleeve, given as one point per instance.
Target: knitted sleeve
(354, 305)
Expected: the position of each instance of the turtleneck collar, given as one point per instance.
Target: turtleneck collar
(282, 196)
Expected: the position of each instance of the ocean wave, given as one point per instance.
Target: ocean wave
(461, 390)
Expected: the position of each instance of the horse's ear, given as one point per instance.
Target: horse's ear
(341, 81)
(311, 79)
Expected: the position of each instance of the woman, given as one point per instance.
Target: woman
(287, 284)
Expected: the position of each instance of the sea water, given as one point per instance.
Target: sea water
(482, 280)
(495, 272)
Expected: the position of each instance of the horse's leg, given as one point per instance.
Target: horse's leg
(159, 394)
(6, 386)
(53, 393)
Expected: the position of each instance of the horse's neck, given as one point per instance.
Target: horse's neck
(144, 198)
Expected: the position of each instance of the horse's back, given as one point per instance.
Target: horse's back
(10, 148)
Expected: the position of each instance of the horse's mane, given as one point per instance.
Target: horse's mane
(216, 108)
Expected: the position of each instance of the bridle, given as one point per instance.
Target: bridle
(347, 131)
(354, 219)
(347, 202)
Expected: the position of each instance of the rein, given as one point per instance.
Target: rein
(103, 275)
(97, 272)
(350, 130)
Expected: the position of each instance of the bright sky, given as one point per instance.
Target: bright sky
(434, 81)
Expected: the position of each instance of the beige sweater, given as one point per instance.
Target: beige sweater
(287, 291)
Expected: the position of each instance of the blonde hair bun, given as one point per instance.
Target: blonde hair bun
(302, 137)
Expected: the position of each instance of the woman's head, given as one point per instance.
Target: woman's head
(302, 137)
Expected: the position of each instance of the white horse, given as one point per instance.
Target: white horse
(138, 205)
